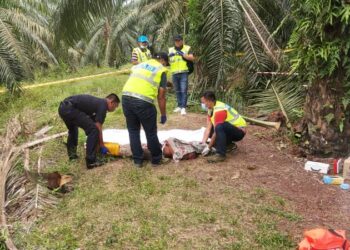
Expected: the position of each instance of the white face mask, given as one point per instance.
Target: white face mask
(143, 47)
(204, 108)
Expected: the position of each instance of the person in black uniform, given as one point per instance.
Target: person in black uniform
(89, 113)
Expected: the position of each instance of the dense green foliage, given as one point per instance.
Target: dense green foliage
(321, 39)
(322, 59)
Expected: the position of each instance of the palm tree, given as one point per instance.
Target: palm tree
(109, 40)
(23, 37)
(218, 30)
(322, 59)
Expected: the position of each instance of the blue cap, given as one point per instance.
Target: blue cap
(142, 39)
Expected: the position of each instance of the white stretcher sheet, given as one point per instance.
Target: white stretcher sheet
(121, 136)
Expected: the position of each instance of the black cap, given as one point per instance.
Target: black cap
(178, 38)
(162, 55)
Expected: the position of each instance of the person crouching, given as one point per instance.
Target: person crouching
(224, 125)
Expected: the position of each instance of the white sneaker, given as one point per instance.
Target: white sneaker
(183, 111)
(178, 109)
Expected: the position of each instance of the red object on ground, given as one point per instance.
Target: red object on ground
(324, 239)
(336, 166)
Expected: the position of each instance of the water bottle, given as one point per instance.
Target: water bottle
(334, 180)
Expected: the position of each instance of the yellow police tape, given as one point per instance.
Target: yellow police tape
(119, 72)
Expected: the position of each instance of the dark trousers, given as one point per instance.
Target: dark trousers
(138, 112)
(180, 82)
(74, 118)
(226, 134)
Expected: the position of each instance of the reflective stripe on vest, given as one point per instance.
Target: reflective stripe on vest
(232, 115)
(177, 63)
(142, 56)
(138, 96)
(141, 76)
(144, 80)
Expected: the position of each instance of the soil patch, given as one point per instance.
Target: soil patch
(261, 162)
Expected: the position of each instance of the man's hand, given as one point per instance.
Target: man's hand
(180, 53)
(206, 151)
(104, 150)
(163, 119)
(171, 54)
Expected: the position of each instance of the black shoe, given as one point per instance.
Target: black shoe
(231, 147)
(72, 153)
(73, 157)
(93, 164)
(163, 161)
(138, 165)
(216, 158)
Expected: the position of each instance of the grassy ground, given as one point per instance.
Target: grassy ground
(119, 207)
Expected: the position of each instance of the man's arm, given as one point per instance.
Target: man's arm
(100, 137)
(207, 131)
(161, 94)
(219, 118)
(189, 57)
(162, 100)
(134, 58)
(212, 140)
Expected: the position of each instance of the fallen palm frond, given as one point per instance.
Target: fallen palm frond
(19, 198)
(27, 199)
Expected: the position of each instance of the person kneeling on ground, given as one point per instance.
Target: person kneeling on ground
(89, 113)
(224, 125)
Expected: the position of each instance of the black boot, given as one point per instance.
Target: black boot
(90, 164)
(72, 153)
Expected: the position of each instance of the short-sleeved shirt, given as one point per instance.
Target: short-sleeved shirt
(93, 106)
(220, 117)
(163, 81)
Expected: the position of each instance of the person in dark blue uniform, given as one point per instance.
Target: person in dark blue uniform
(89, 113)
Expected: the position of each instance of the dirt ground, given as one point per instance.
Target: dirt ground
(264, 159)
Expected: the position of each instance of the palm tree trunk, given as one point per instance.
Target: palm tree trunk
(327, 124)
(107, 37)
(107, 52)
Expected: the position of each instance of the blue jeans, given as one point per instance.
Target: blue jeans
(180, 81)
(226, 133)
(138, 112)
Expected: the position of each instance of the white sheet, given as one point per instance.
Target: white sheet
(121, 136)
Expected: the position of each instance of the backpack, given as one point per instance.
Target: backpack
(324, 239)
(190, 66)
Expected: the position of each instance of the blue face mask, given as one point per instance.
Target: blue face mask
(204, 108)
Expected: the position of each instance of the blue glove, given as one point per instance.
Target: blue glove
(163, 119)
(104, 150)
(171, 54)
(180, 53)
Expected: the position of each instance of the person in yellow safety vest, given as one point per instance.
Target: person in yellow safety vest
(146, 83)
(224, 125)
(141, 53)
(179, 70)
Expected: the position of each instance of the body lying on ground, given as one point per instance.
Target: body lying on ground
(172, 148)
